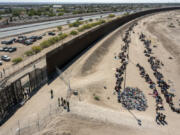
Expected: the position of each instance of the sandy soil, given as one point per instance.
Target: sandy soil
(95, 69)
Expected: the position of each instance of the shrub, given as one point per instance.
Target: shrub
(17, 60)
(90, 20)
(60, 14)
(59, 28)
(36, 49)
(29, 53)
(62, 36)
(111, 15)
(73, 32)
(75, 24)
(45, 44)
(96, 98)
(90, 25)
(125, 14)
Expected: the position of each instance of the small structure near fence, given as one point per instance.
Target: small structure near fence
(16, 93)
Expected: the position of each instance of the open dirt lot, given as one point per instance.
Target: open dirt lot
(93, 74)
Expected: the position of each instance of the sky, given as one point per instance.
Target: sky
(97, 1)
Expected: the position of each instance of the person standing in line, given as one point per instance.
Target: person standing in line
(59, 102)
(52, 94)
(62, 101)
(4, 71)
(68, 108)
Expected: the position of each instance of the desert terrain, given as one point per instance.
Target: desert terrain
(93, 75)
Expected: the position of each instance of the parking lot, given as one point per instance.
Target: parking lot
(16, 46)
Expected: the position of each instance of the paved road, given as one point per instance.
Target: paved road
(10, 31)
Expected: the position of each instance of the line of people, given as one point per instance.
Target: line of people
(155, 65)
(123, 56)
(152, 85)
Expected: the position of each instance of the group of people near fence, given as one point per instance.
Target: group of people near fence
(64, 103)
(61, 102)
(155, 66)
(123, 56)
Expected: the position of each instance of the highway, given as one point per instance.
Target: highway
(16, 30)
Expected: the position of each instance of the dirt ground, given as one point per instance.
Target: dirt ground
(96, 68)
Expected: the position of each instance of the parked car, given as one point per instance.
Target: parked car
(1, 49)
(51, 33)
(28, 42)
(1, 63)
(5, 49)
(12, 49)
(5, 58)
(21, 39)
(8, 42)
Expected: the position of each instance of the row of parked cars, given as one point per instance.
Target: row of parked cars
(26, 40)
(8, 49)
(22, 39)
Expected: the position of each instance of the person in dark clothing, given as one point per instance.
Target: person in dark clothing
(68, 108)
(52, 94)
(59, 102)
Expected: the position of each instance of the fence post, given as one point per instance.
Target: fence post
(38, 123)
(19, 127)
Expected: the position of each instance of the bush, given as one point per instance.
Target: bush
(62, 36)
(75, 24)
(90, 20)
(90, 25)
(73, 32)
(36, 49)
(59, 28)
(53, 40)
(111, 15)
(17, 60)
(60, 14)
(125, 14)
(97, 98)
(29, 53)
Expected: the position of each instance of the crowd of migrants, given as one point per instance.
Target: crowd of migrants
(155, 65)
(160, 117)
(131, 98)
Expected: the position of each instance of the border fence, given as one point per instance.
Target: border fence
(36, 123)
(15, 94)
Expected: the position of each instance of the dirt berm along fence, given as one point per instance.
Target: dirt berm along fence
(19, 91)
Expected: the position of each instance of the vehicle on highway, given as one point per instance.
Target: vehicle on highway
(80, 18)
(51, 33)
(5, 58)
